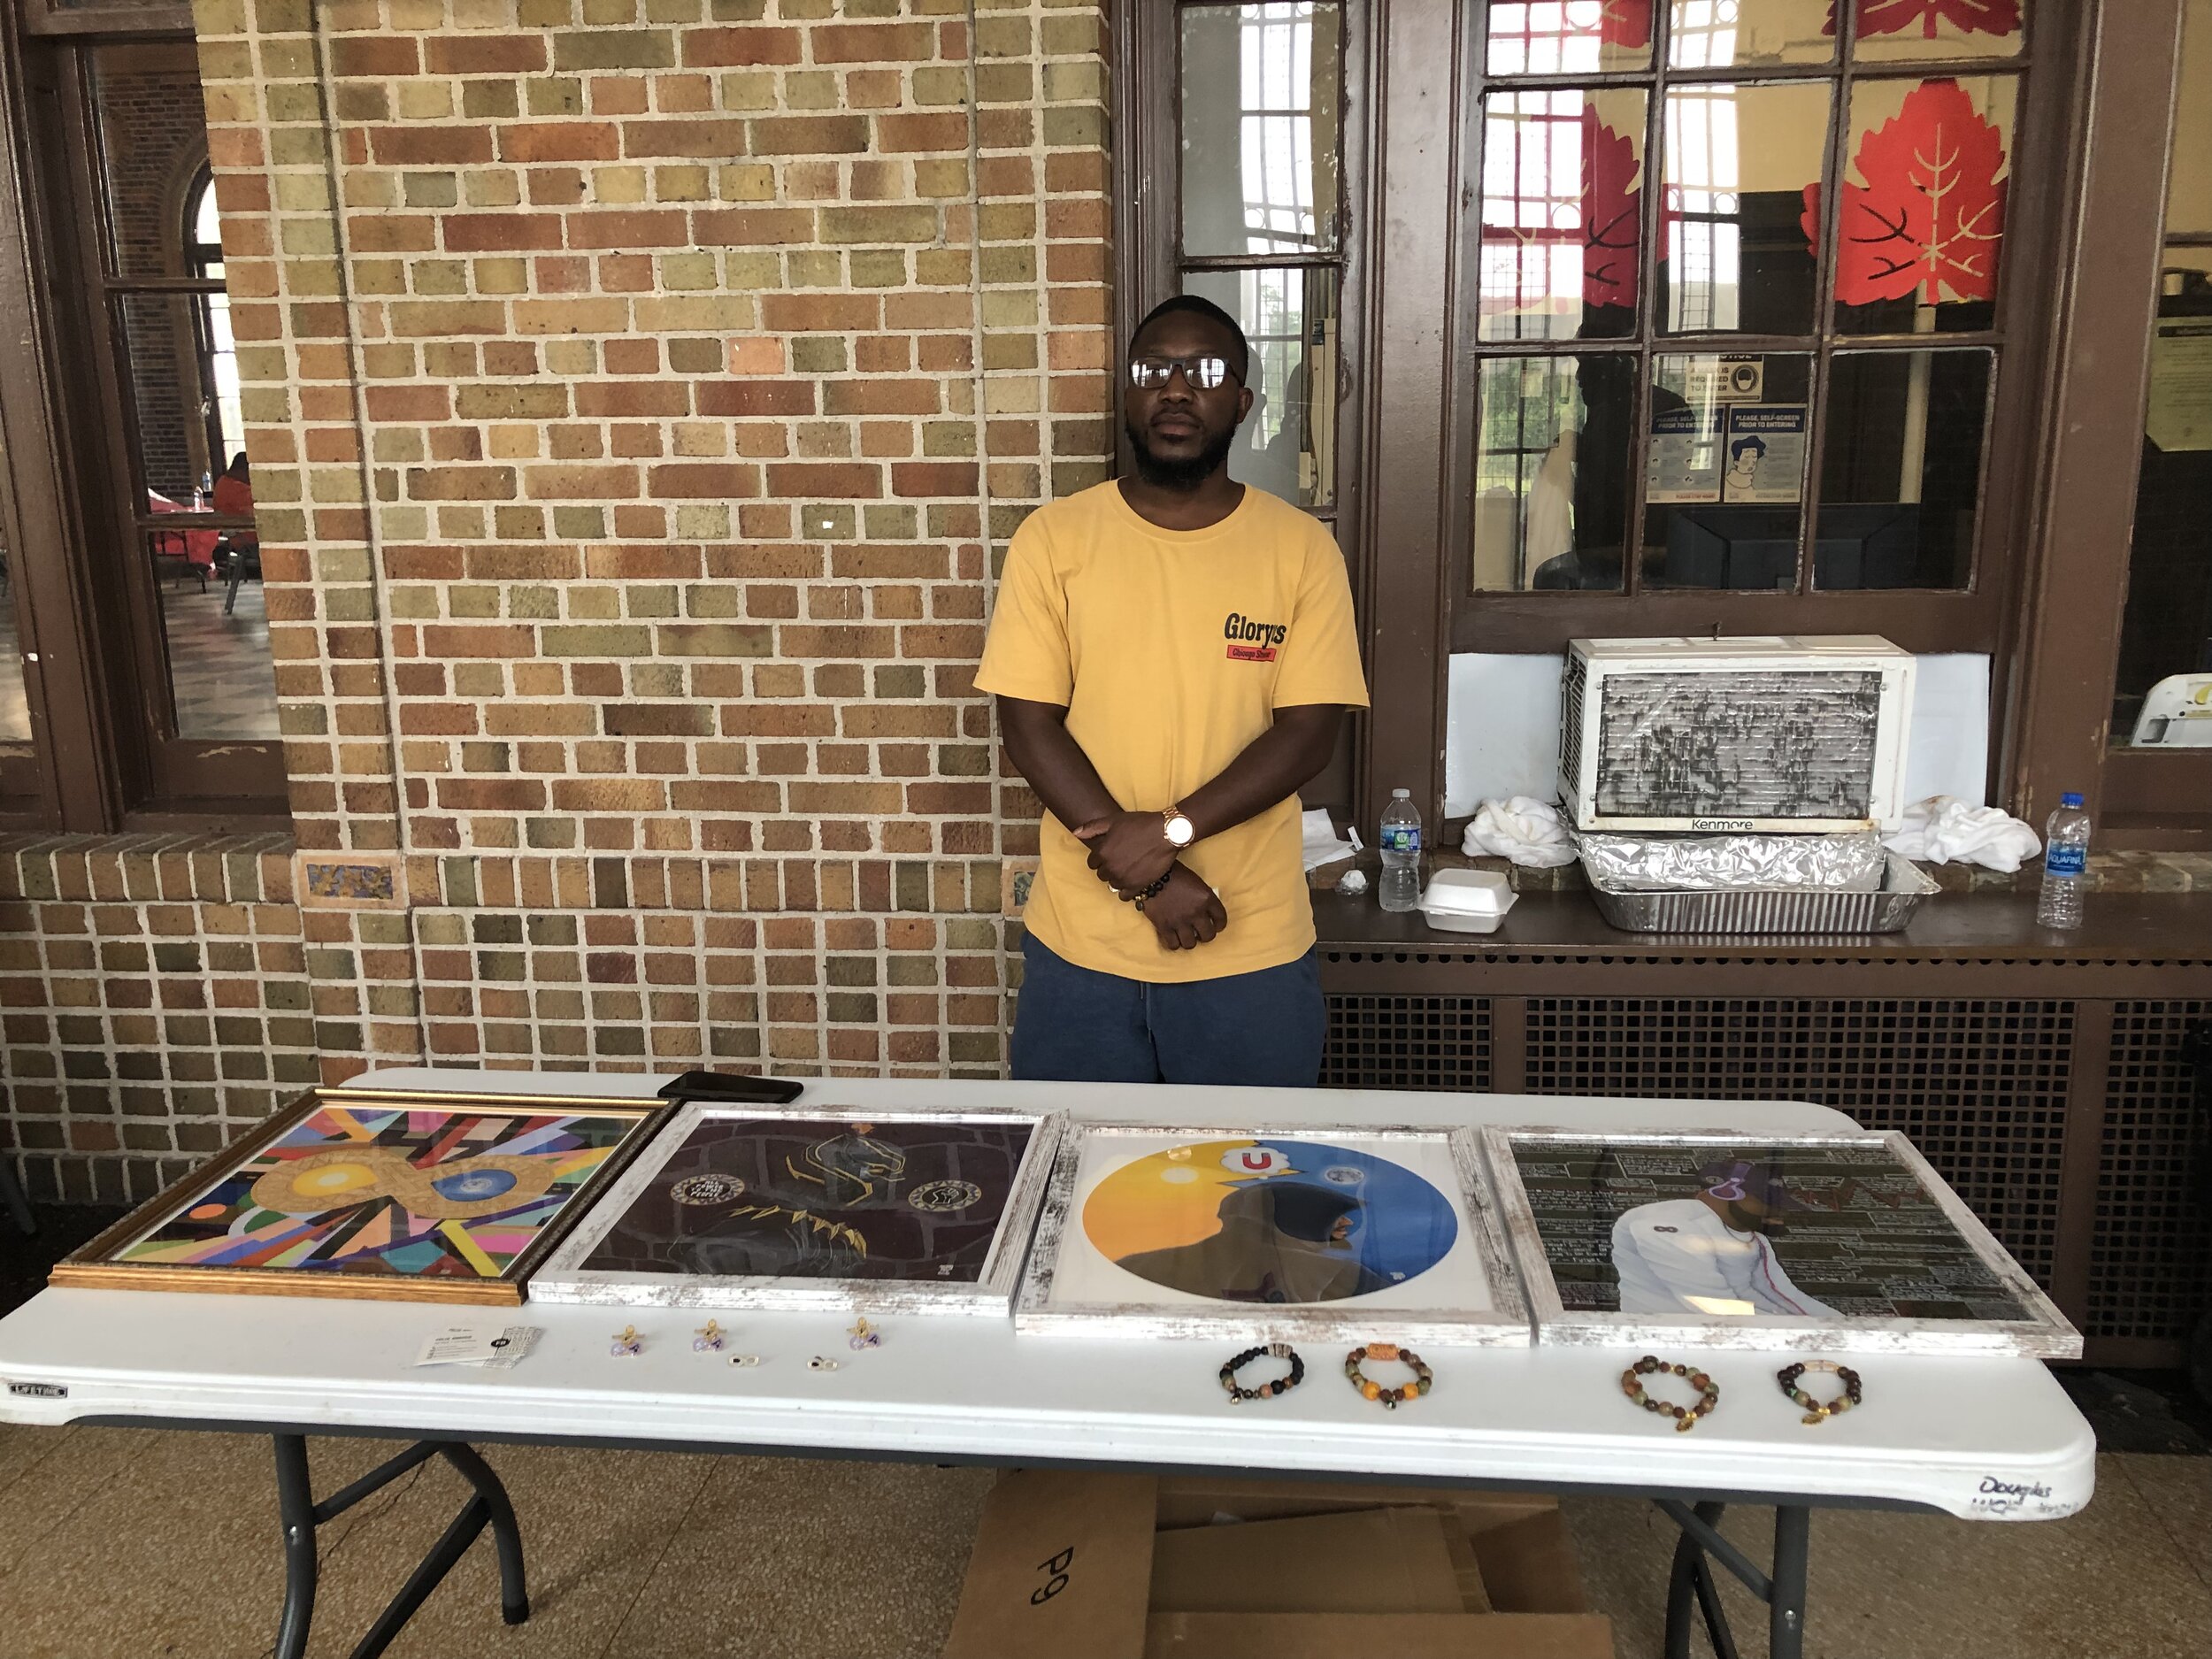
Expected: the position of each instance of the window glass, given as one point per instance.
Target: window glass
(152, 132)
(1893, 30)
(1287, 444)
(15, 708)
(1568, 37)
(1551, 471)
(1259, 128)
(1721, 33)
(1725, 471)
(1928, 167)
(1563, 177)
(1738, 162)
(1900, 468)
(2162, 698)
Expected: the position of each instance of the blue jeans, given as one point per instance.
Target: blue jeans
(1075, 1025)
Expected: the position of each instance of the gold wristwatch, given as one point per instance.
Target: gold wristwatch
(1180, 830)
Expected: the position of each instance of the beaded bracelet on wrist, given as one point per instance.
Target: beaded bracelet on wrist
(1152, 892)
(1239, 1394)
(1815, 1412)
(1685, 1416)
(1424, 1378)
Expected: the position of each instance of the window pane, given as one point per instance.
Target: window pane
(153, 145)
(1568, 37)
(1717, 34)
(1890, 30)
(1724, 472)
(1738, 159)
(1287, 444)
(170, 392)
(215, 631)
(1562, 189)
(1924, 205)
(1551, 472)
(1260, 127)
(2189, 186)
(15, 710)
(1900, 474)
(2161, 698)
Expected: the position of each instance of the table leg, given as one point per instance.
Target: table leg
(488, 1505)
(1692, 1579)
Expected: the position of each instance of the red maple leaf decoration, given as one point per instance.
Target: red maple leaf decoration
(1969, 17)
(1932, 213)
(1612, 213)
(1625, 22)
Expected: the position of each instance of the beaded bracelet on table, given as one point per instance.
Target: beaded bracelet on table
(1239, 1394)
(1424, 1378)
(1815, 1412)
(1685, 1416)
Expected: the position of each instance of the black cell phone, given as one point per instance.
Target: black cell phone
(725, 1085)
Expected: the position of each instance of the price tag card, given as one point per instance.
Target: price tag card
(492, 1349)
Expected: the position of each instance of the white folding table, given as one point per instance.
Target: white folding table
(1980, 1438)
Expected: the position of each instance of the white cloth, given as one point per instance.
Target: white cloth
(1526, 830)
(1943, 829)
(1678, 1256)
(1319, 835)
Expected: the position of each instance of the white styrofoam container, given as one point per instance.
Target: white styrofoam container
(1467, 901)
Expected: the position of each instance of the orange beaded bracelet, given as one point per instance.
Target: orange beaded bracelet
(1685, 1416)
(1424, 1378)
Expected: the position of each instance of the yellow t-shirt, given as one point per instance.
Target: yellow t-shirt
(1170, 650)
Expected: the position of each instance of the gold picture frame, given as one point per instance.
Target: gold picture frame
(505, 1178)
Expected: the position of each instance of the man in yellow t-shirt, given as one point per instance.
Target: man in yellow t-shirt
(1173, 654)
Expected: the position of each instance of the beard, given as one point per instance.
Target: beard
(1167, 473)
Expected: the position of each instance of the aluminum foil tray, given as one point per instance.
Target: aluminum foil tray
(1768, 909)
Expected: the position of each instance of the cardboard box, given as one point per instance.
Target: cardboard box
(1102, 1566)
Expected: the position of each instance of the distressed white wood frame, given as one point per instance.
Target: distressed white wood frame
(2044, 1334)
(564, 1278)
(1503, 1324)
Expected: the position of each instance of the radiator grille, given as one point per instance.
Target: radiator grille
(1438, 1042)
(2150, 1259)
(1980, 1086)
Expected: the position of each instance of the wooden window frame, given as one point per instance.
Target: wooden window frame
(1147, 228)
(1971, 616)
(104, 754)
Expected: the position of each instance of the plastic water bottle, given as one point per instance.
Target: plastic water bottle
(1400, 844)
(2065, 863)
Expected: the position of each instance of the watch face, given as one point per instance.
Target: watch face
(1178, 830)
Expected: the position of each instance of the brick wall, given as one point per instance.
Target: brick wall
(640, 394)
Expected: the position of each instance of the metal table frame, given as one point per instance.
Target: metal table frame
(1691, 1589)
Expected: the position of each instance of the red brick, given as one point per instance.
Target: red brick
(642, 228)
(933, 478)
(908, 396)
(821, 481)
(373, 57)
(478, 233)
(801, 313)
(746, 43)
(753, 226)
(757, 397)
(808, 135)
(905, 135)
(560, 141)
(454, 54)
(704, 480)
(430, 146)
(714, 138)
(873, 43)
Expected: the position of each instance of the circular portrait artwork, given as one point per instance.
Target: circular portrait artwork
(1270, 1221)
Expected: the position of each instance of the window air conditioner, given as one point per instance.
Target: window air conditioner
(1722, 735)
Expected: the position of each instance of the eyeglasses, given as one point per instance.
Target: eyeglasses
(1205, 374)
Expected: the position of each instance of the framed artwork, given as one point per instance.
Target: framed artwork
(390, 1193)
(1798, 1242)
(1332, 1233)
(815, 1209)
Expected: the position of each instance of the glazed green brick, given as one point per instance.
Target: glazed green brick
(415, 603)
(1083, 127)
(910, 970)
(495, 928)
(1010, 308)
(327, 963)
(737, 11)
(810, 90)
(851, 1008)
(815, 268)
(748, 91)
(1071, 37)
(472, 599)
(910, 885)
(884, 522)
(714, 639)
(717, 599)
(830, 520)
(1082, 81)
(580, 524)
(819, 354)
(689, 272)
(554, 95)
(1009, 352)
(382, 928)
(659, 681)
(901, 679)
(480, 680)
(878, 268)
(297, 147)
(592, 604)
(433, 929)
(348, 605)
(1068, 477)
(753, 273)
(512, 966)
(1008, 221)
(1002, 37)
(963, 760)
(302, 719)
(703, 522)
(534, 603)
(615, 49)
(518, 524)
(287, 59)
(850, 970)
(1004, 83)
(486, 756)
(488, 100)
(933, 86)
(657, 600)
(948, 437)
(975, 1048)
(552, 930)
(599, 639)
(972, 932)
(549, 833)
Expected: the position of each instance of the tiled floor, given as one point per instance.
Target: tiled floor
(126, 1544)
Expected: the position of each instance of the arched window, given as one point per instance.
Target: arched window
(218, 351)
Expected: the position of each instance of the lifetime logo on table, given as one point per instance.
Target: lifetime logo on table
(1251, 642)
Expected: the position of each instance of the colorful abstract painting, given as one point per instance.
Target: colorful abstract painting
(1271, 1220)
(388, 1191)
